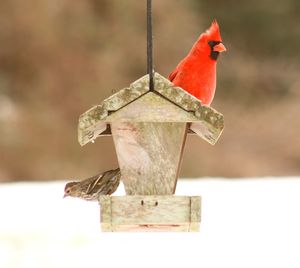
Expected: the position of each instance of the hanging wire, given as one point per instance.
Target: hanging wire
(150, 45)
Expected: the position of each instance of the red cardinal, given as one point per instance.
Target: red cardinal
(196, 73)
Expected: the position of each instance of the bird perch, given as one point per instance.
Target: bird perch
(149, 130)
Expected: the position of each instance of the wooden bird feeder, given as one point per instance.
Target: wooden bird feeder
(149, 129)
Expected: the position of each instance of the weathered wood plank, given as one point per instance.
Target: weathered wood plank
(91, 119)
(177, 95)
(205, 132)
(150, 213)
(149, 155)
(210, 124)
(151, 108)
(195, 213)
(207, 122)
(105, 218)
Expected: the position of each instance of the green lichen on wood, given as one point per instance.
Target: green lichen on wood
(210, 116)
(90, 119)
(92, 123)
(92, 116)
(188, 102)
(211, 124)
(151, 107)
(176, 94)
(89, 123)
(124, 96)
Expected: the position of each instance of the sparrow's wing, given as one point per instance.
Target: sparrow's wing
(93, 182)
(111, 183)
(101, 183)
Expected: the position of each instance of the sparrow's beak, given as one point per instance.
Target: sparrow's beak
(219, 47)
(65, 195)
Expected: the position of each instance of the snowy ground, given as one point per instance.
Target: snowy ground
(245, 223)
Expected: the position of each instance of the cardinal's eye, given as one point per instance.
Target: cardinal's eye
(213, 43)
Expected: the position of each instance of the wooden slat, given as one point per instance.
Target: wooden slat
(195, 213)
(151, 107)
(150, 213)
(105, 218)
(149, 155)
(165, 104)
(91, 119)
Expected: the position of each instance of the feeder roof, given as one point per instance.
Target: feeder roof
(137, 103)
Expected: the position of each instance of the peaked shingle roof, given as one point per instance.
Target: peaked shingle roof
(165, 104)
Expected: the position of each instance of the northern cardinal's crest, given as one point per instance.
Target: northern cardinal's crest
(213, 33)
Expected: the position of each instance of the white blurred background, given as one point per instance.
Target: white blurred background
(245, 223)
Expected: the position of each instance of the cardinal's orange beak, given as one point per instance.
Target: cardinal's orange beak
(219, 47)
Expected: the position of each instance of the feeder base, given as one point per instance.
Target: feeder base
(144, 213)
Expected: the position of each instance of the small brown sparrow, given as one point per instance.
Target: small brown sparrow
(89, 189)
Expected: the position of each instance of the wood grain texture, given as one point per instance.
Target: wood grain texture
(149, 155)
(195, 213)
(207, 122)
(176, 95)
(94, 118)
(106, 213)
(150, 213)
(151, 107)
